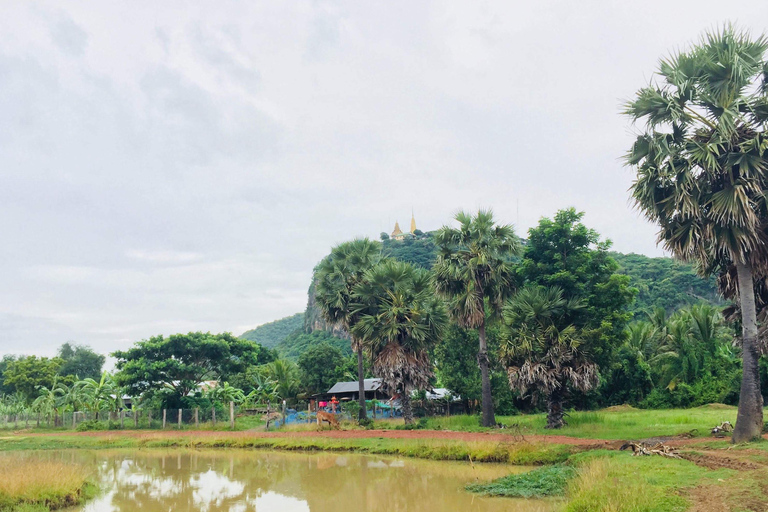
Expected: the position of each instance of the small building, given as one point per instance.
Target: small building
(350, 391)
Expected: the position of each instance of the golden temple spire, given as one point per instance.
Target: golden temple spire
(396, 231)
(413, 223)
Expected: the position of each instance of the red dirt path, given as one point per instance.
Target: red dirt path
(351, 434)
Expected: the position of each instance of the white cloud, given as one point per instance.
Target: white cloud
(179, 165)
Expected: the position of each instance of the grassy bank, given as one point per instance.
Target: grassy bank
(617, 482)
(614, 423)
(35, 485)
(433, 449)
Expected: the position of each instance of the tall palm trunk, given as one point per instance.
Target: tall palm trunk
(362, 415)
(749, 421)
(405, 402)
(555, 408)
(488, 418)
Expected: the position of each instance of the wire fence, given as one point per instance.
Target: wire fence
(221, 416)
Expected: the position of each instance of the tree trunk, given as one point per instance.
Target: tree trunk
(555, 409)
(488, 418)
(405, 401)
(749, 421)
(362, 415)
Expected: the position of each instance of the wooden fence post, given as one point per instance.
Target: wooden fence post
(122, 418)
(232, 415)
(197, 417)
(179, 419)
(149, 418)
(309, 412)
(74, 419)
(135, 418)
(283, 414)
(38, 420)
(213, 415)
(165, 411)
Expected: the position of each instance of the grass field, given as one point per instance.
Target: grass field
(614, 423)
(32, 485)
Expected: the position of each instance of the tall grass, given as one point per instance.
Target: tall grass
(616, 482)
(624, 423)
(27, 483)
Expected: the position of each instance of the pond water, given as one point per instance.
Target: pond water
(250, 481)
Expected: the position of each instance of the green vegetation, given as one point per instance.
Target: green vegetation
(524, 454)
(419, 251)
(538, 483)
(472, 273)
(175, 366)
(336, 277)
(400, 321)
(271, 334)
(33, 485)
(618, 482)
(664, 283)
(615, 423)
(701, 176)
(298, 342)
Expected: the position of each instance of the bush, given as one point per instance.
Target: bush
(91, 425)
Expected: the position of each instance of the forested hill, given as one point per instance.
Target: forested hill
(665, 282)
(660, 282)
(272, 333)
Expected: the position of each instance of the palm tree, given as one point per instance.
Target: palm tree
(702, 174)
(400, 321)
(285, 374)
(225, 393)
(105, 392)
(473, 272)
(335, 278)
(49, 400)
(542, 351)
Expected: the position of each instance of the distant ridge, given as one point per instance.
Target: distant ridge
(661, 282)
(272, 333)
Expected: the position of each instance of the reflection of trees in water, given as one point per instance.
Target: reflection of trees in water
(224, 481)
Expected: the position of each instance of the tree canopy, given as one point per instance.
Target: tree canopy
(182, 361)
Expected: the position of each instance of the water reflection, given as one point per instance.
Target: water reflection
(250, 481)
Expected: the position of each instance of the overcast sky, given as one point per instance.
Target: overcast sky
(177, 166)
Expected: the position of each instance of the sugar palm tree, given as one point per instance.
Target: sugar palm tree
(472, 272)
(400, 320)
(702, 173)
(543, 353)
(335, 278)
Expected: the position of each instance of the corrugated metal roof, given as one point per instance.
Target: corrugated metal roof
(353, 386)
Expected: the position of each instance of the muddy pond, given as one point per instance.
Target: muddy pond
(250, 481)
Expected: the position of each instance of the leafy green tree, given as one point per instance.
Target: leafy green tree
(181, 362)
(321, 367)
(472, 272)
(4, 362)
(26, 375)
(563, 252)
(335, 278)
(456, 362)
(543, 352)
(285, 374)
(80, 361)
(702, 174)
(400, 320)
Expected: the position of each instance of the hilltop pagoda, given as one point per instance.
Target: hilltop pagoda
(397, 233)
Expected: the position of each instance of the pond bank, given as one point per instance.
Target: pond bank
(468, 447)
